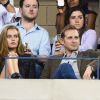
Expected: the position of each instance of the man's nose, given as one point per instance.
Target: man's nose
(73, 40)
(31, 7)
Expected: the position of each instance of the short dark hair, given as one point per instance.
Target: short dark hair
(21, 3)
(68, 27)
(70, 11)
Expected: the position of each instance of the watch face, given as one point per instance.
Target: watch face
(60, 2)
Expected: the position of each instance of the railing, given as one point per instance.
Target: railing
(53, 58)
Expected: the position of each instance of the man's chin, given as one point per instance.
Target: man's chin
(30, 19)
(74, 49)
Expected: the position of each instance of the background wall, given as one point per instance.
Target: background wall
(95, 5)
(49, 89)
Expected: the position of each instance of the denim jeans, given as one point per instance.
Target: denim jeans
(64, 71)
(38, 69)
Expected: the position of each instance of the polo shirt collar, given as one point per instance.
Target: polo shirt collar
(36, 27)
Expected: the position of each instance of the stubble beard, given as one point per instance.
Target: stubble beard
(28, 19)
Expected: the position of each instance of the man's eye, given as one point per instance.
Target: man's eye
(76, 37)
(69, 37)
(27, 5)
(35, 6)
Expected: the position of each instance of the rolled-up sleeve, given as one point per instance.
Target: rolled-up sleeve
(45, 48)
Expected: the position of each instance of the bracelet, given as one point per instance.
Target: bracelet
(5, 5)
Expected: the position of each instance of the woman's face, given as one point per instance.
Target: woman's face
(76, 19)
(12, 39)
(73, 3)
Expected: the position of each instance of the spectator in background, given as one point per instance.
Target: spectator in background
(7, 12)
(76, 17)
(83, 4)
(11, 46)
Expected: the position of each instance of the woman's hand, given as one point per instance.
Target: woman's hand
(28, 51)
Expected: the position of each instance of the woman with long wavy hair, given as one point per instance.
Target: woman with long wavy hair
(11, 48)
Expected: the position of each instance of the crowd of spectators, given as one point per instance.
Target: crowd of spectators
(21, 36)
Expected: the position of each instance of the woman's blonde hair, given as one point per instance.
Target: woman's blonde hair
(4, 45)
